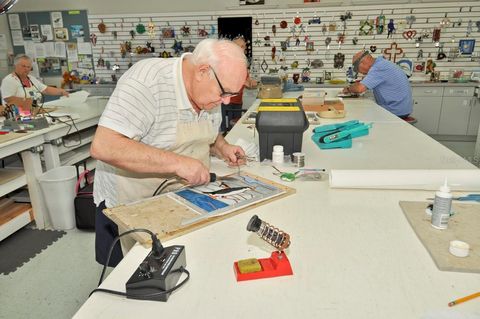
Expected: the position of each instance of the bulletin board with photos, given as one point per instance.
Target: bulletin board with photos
(56, 40)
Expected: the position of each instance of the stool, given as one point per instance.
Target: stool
(410, 120)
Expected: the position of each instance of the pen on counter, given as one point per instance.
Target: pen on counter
(466, 298)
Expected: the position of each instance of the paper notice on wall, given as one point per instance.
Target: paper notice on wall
(72, 53)
(30, 49)
(14, 20)
(60, 50)
(47, 31)
(17, 37)
(35, 70)
(39, 50)
(49, 49)
(3, 42)
(84, 48)
(57, 19)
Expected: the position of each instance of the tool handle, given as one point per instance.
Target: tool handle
(213, 177)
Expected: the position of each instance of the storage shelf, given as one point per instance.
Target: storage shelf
(75, 156)
(11, 179)
(14, 216)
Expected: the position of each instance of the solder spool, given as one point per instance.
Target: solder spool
(269, 233)
(298, 159)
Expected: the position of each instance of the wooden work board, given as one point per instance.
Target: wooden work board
(464, 225)
(164, 215)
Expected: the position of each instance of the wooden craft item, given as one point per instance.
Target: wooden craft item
(327, 105)
(409, 34)
(102, 27)
(164, 215)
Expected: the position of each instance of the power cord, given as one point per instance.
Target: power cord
(157, 249)
(160, 187)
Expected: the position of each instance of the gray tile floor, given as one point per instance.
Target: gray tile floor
(55, 283)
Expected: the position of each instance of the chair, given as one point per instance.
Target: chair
(410, 119)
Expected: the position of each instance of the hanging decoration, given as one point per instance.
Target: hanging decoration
(469, 27)
(297, 20)
(324, 28)
(151, 30)
(328, 40)
(391, 28)
(294, 64)
(315, 20)
(418, 41)
(332, 27)
(274, 30)
(185, 31)
(344, 18)
(283, 24)
(317, 64)
(114, 35)
(274, 50)
(420, 54)
(93, 39)
(306, 75)
(419, 66)
(430, 68)
(340, 39)
(310, 46)
(202, 32)
(436, 36)
(177, 46)
(410, 20)
(102, 27)
(165, 55)
(366, 27)
(440, 54)
(283, 45)
(297, 41)
(132, 34)
(140, 28)
(373, 48)
(409, 34)
(478, 25)
(392, 52)
(264, 66)
(355, 40)
(338, 60)
(168, 33)
(380, 24)
(267, 40)
(445, 22)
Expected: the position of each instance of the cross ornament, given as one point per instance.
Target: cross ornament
(392, 52)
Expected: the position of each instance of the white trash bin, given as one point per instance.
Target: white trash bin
(58, 188)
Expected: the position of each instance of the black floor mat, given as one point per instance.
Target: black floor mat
(23, 245)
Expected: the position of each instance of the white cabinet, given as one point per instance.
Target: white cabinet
(474, 121)
(446, 110)
(427, 104)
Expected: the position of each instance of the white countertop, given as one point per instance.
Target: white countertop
(353, 253)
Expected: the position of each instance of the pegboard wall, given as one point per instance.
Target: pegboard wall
(307, 27)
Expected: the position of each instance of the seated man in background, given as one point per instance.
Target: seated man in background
(21, 89)
(162, 123)
(236, 102)
(389, 83)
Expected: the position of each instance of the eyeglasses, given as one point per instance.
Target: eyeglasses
(224, 93)
(357, 62)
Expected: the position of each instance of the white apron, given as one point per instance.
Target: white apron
(193, 140)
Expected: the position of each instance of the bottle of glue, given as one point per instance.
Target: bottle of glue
(442, 205)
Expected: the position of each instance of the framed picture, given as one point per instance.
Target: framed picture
(466, 46)
(327, 76)
(61, 34)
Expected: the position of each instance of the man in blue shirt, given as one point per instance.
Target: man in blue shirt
(389, 83)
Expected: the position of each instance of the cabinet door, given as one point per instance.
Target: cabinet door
(426, 110)
(455, 115)
(474, 121)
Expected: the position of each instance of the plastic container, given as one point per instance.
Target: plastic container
(277, 154)
(442, 205)
(58, 188)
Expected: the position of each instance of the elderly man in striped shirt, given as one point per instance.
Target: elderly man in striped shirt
(388, 81)
(162, 123)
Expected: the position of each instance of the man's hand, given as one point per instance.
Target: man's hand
(192, 170)
(346, 90)
(233, 154)
(64, 93)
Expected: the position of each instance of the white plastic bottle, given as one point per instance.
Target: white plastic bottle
(442, 205)
(277, 154)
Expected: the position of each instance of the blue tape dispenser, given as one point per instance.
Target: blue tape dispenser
(339, 135)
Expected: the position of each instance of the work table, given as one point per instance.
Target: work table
(353, 253)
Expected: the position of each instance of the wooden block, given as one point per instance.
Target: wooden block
(328, 105)
(9, 212)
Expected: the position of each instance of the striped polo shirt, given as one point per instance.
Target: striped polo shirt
(390, 87)
(145, 106)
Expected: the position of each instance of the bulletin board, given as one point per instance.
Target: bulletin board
(56, 40)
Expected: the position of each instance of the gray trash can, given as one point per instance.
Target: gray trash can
(58, 188)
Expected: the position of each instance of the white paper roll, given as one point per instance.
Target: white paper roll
(423, 179)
